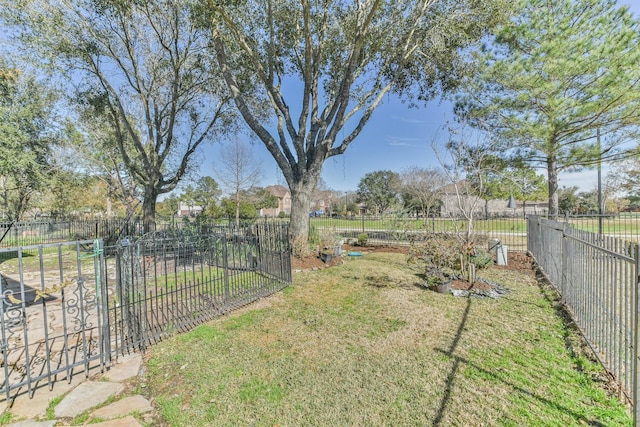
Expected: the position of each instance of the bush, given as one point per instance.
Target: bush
(314, 237)
(362, 239)
(437, 253)
(482, 259)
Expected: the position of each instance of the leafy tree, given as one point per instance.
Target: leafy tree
(421, 188)
(625, 176)
(553, 76)
(379, 190)
(27, 139)
(145, 65)
(568, 199)
(587, 202)
(205, 192)
(526, 185)
(245, 211)
(69, 194)
(340, 58)
(168, 207)
(93, 146)
(262, 199)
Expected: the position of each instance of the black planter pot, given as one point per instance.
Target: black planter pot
(326, 257)
(443, 288)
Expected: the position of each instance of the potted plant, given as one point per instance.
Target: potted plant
(330, 245)
(326, 256)
(437, 257)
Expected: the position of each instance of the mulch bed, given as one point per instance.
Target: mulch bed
(518, 261)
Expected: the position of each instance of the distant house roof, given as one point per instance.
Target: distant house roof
(277, 190)
(451, 188)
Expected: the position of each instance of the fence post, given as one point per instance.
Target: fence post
(636, 340)
(565, 262)
(225, 265)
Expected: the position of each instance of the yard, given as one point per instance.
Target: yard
(363, 343)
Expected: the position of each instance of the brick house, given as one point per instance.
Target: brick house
(284, 201)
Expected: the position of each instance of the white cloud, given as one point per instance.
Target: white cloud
(397, 141)
(409, 120)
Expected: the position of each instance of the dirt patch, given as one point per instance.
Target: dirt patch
(313, 261)
(518, 261)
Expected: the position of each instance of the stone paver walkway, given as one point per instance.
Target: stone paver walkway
(87, 396)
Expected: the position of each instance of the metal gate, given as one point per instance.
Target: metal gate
(168, 282)
(66, 308)
(52, 314)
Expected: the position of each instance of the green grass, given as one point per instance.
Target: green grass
(616, 225)
(363, 344)
(517, 224)
(50, 259)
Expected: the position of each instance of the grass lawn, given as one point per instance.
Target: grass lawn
(362, 344)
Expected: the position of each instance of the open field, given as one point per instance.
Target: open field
(364, 344)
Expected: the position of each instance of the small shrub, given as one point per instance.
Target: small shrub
(482, 259)
(328, 238)
(314, 237)
(362, 239)
(300, 248)
(437, 251)
(436, 257)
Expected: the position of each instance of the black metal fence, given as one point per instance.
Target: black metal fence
(166, 282)
(402, 229)
(25, 233)
(66, 306)
(597, 278)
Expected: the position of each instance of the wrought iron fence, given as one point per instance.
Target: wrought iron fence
(19, 233)
(597, 278)
(53, 317)
(402, 229)
(167, 281)
(381, 229)
(66, 306)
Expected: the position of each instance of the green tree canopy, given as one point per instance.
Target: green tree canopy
(205, 192)
(28, 136)
(379, 190)
(145, 66)
(554, 75)
(568, 199)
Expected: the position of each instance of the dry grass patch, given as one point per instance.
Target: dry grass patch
(364, 344)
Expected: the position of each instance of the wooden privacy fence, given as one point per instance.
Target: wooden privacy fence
(597, 278)
(68, 307)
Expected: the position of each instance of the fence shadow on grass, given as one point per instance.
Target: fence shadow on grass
(454, 369)
(458, 361)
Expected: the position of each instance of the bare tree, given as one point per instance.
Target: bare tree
(422, 188)
(238, 172)
(467, 160)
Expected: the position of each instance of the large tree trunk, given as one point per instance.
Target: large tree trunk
(552, 178)
(149, 208)
(301, 194)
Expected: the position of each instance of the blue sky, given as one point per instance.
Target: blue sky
(396, 137)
